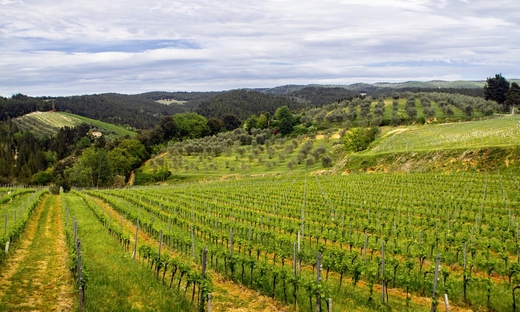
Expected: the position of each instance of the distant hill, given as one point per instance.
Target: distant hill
(244, 103)
(319, 95)
(324, 94)
(48, 123)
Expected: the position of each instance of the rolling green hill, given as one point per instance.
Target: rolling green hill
(487, 144)
(48, 123)
(494, 132)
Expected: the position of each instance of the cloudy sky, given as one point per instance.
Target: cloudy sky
(65, 47)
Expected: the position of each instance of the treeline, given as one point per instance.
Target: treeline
(71, 157)
(19, 105)
(136, 111)
(244, 103)
(319, 96)
(23, 154)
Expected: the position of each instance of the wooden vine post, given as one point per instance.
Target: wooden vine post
(383, 286)
(446, 303)
(204, 265)
(135, 242)
(365, 248)
(159, 254)
(435, 280)
(318, 282)
(192, 242)
(295, 259)
(80, 278)
(210, 302)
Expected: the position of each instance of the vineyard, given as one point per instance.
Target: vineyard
(48, 123)
(366, 241)
(359, 241)
(255, 230)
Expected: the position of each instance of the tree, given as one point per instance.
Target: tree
(191, 126)
(283, 113)
(285, 120)
(513, 96)
(231, 122)
(263, 121)
(326, 161)
(92, 169)
(412, 112)
(127, 156)
(358, 139)
(215, 125)
(169, 128)
(496, 89)
(251, 123)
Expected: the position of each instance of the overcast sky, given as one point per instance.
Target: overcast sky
(66, 47)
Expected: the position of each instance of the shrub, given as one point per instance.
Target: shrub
(358, 139)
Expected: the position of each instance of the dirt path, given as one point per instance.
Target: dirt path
(36, 276)
(227, 296)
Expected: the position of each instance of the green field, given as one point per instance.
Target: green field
(493, 132)
(48, 123)
(104, 127)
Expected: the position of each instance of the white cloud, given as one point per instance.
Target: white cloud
(70, 47)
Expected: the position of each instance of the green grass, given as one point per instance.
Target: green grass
(48, 123)
(493, 132)
(40, 281)
(115, 281)
(117, 130)
(231, 164)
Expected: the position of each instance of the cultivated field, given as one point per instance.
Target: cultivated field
(48, 123)
(493, 132)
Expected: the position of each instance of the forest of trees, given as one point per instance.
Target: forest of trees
(244, 103)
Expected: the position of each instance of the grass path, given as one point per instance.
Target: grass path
(36, 276)
(115, 281)
(227, 295)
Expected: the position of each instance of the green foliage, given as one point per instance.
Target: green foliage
(231, 122)
(326, 161)
(358, 139)
(513, 96)
(93, 169)
(41, 178)
(244, 103)
(215, 125)
(496, 88)
(191, 126)
(284, 120)
(142, 178)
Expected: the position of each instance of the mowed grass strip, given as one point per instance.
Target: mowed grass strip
(115, 281)
(36, 277)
